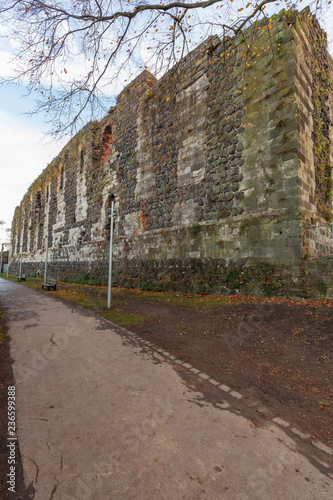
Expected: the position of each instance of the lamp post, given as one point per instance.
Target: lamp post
(8, 262)
(112, 214)
(21, 262)
(46, 252)
(2, 244)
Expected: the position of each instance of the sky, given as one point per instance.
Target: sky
(24, 153)
(25, 150)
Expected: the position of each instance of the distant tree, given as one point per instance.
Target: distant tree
(71, 52)
(2, 223)
(8, 235)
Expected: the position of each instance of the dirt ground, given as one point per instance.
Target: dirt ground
(275, 351)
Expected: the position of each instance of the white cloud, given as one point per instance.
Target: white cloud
(24, 155)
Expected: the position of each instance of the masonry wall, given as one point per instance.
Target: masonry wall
(314, 97)
(207, 173)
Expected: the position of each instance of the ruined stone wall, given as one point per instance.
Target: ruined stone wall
(314, 97)
(59, 204)
(205, 168)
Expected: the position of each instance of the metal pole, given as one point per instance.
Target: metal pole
(45, 269)
(1, 257)
(8, 262)
(110, 257)
(21, 262)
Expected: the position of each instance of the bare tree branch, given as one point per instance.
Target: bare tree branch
(68, 53)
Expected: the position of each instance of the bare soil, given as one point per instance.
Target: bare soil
(277, 352)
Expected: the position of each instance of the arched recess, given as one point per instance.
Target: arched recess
(106, 144)
(38, 206)
(82, 160)
(61, 180)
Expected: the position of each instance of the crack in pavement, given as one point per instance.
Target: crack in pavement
(48, 438)
(37, 471)
(54, 488)
(61, 455)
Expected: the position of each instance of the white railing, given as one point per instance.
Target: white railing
(320, 240)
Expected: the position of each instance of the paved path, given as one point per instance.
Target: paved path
(101, 416)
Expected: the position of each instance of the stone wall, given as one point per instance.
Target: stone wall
(314, 97)
(319, 277)
(211, 169)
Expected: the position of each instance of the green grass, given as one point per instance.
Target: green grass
(122, 318)
(197, 302)
(78, 293)
(31, 282)
(99, 305)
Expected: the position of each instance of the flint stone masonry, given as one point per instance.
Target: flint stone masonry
(216, 169)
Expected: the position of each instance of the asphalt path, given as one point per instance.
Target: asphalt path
(101, 415)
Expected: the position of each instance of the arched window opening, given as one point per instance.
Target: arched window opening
(38, 206)
(61, 183)
(38, 200)
(82, 160)
(106, 144)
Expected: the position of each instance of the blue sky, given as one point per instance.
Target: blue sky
(25, 151)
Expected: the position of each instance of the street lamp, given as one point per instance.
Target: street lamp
(21, 262)
(8, 262)
(112, 214)
(2, 244)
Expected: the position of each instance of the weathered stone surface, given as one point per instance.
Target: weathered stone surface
(214, 170)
